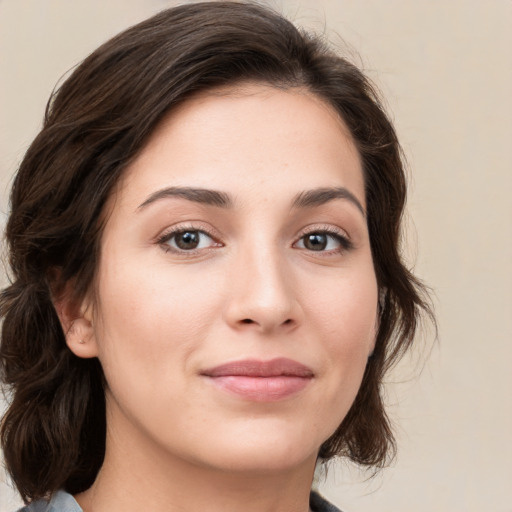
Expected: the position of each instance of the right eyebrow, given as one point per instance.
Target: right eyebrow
(197, 195)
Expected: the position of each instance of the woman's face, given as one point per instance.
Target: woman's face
(236, 296)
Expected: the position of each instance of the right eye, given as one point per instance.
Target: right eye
(187, 240)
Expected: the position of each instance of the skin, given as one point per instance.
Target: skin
(252, 289)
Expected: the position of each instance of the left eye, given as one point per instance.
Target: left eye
(320, 241)
(188, 240)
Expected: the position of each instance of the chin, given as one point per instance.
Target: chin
(257, 460)
(263, 448)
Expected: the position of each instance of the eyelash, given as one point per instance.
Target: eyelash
(339, 236)
(163, 240)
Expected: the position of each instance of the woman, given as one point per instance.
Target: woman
(206, 287)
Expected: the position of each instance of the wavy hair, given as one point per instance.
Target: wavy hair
(53, 432)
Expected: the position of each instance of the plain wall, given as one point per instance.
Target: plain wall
(445, 67)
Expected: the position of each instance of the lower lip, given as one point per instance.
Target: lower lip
(262, 389)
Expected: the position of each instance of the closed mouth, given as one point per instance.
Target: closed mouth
(261, 381)
(255, 368)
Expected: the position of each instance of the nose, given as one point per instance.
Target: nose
(263, 296)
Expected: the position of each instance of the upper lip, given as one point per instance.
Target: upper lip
(281, 366)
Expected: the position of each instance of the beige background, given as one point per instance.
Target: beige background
(445, 67)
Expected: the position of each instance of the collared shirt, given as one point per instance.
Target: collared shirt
(63, 502)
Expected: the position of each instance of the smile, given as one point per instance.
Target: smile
(261, 381)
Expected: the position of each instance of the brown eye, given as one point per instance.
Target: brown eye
(315, 241)
(324, 241)
(187, 240)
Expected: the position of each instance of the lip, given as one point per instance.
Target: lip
(261, 381)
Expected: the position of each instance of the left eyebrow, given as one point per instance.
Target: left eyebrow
(196, 195)
(320, 196)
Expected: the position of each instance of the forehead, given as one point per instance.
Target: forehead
(247, 137)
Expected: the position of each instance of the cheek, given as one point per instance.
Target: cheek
(345, 309)
(345, 316)
(150, 320)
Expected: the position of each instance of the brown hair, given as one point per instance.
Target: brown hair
(53, 433)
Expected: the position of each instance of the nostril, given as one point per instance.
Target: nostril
(249, 321)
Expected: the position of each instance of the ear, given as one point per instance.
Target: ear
(76, 320)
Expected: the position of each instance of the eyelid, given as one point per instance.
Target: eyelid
(168, 233)
(336, 232)
(340, 234)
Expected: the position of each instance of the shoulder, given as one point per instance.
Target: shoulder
(63, 502)
(320, 504)
(60, 502)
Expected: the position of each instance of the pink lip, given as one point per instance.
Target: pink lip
(261, 381)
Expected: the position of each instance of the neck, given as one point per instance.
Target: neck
(145, 477)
